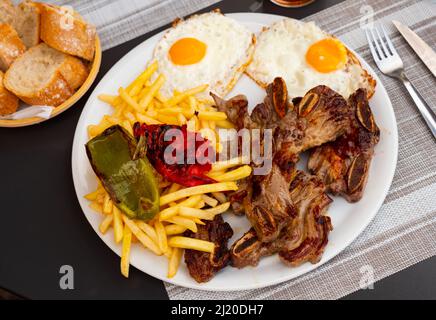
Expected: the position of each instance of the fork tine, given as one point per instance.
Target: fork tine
(377, 45)
(389, 42)
(385, 49)
(371, 46)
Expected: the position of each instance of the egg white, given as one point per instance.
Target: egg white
(281, 52)
(230, 47)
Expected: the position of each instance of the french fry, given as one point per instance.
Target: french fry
(221, 197)
(155, 87)
(174, 262)
(235, 175)
(214, 174)
(184, 222)
(125, 255)
(193, 244)
(93, 195)
(126, 125)
(209, 200)
(118, 224)
(142, 237)
(168, 213)
(195, 213)
(182, 119)
(171, 111)
(107, 204)
(174, 229)
(106, 223)
(199, 222)
(167, 119)
(143, 77)
(225, 124)
(229, 164)
(161, 236)
(199, 190)
(200, 205)
(184, 95)
(219, 209)
(174, 187)
(130, 117)
(164, 184)
(100, 200)
(160, 98)
(168, 253)
(213, 116)
(129, 100)
(107, 99)
(146, 119)
(96, 207)
(148, 230)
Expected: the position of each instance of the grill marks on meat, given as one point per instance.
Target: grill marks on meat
(268, 205)
(203, 266)
(303, 240)
(344, 164)
(321, 116)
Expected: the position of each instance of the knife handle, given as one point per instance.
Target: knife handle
(426, 112)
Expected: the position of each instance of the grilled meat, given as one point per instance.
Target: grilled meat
(312, 226)
(268, 205)
(304, 239)
(321, 116)
(203, 266)
(343, 165)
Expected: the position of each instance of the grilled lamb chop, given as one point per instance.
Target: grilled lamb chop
(203, 266)
(268, 205)
(343, 165)
(321, 116)
(304, 239)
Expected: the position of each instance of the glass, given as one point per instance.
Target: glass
(292, 3)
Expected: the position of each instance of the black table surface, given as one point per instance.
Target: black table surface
(43, 227)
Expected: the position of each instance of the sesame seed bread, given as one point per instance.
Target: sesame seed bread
(67, 32)
(45, 76)
(11, 46)
(8, 102)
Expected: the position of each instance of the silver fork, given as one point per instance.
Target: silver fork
(390, 63)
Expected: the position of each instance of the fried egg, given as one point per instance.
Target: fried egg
(305, 57)
(204, 49)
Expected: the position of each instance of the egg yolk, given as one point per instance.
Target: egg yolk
(327, 55)
(187, 51)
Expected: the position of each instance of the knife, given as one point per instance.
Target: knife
(422, 49)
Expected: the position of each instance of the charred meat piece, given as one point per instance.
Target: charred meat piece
(313, 226)
(268, 205)
(203, 266)
(321, 116)
(343, 165)
(236, 110)
(304, 239)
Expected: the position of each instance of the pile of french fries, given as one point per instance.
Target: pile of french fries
(182, 208)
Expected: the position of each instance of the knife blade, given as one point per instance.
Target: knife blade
(422, 49)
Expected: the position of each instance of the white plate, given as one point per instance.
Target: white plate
(348, 220)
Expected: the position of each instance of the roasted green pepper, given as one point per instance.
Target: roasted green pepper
(125, 172)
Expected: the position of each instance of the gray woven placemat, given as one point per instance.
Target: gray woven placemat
(404, 231)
